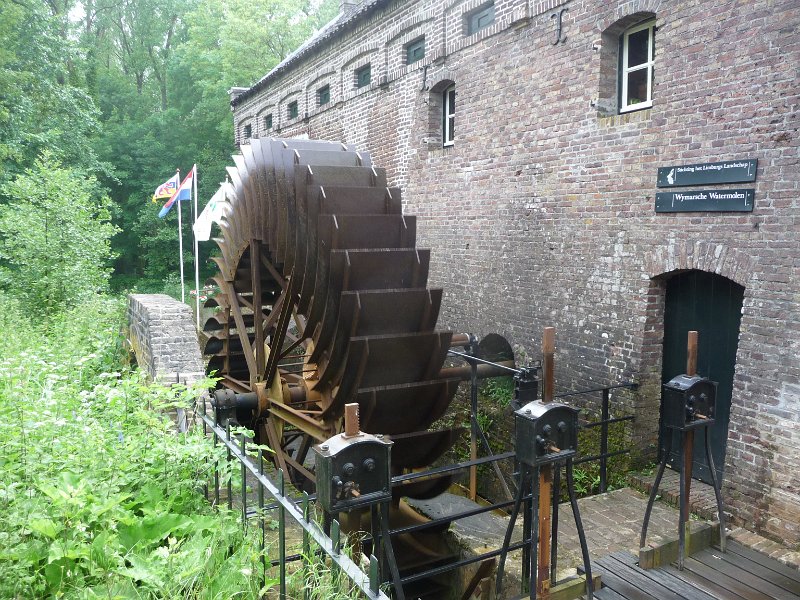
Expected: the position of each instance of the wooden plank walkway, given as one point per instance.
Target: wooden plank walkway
(739, 574)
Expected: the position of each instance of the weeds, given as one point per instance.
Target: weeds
(99, 492)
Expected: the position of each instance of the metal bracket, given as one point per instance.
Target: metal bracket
(559, 17)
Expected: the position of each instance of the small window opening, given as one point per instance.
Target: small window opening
(448, 115)
(248, 132)
(324, 95)
(415, 51)
(292, 110)
(637, 59)
(268, 121)
(480, 18)
(363, 76)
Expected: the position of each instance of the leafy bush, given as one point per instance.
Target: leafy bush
(99, 493)
(55, 237)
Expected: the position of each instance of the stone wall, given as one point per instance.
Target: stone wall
(542, 212)
(162, 335)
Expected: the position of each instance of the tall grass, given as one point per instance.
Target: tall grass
(98, 491)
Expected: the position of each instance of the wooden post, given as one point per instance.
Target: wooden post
(548, 354)
(691, 354)
(688, 441)
(546, 475)
(351, 426)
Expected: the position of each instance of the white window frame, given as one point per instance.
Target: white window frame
(648, 65)
(448, 114)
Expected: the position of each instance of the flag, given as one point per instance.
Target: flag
(166, 189)
(216, 208)
(184, 193)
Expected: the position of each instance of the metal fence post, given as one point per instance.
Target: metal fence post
(306, 548)
(261, 515)
(282, 534)
(244, 483)
(230, 471)
(604, 441)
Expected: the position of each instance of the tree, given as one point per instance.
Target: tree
(41, 107)
(55, 237)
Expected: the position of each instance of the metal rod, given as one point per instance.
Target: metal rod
(461, 515)
(584, 459)
(462, 563)
(450, 468)
(473, 421)
(307, 548)
(282, 534)
(475, 359)
(262, 519)
(604, 441)
(573, 500)
(244, 482)
(230, 473)
(654, 490)
(717, 491)
(509, 531)
(607, 421)
(683, 506)
(631, 386)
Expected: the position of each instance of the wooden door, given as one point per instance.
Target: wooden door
(711, 305)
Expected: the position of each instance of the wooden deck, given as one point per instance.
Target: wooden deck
(739, 574)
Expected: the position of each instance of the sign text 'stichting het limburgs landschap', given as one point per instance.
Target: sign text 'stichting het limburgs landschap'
(732, 171)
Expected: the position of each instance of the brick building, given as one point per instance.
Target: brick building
(527, 136)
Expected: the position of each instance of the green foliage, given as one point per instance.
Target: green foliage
(42, 107)
(499, 390)
(54, 237)
(99, 492)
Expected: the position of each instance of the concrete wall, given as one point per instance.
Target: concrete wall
(542, 213)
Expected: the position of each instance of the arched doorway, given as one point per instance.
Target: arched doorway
(711, 305)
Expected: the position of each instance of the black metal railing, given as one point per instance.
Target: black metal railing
(297, 509)
(605, 420)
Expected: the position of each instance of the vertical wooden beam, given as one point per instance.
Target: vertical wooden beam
(546, 474)
(548, 362)
(230, 292)
(545, 526)
(691, 354)
(688, 439)
(258, 319)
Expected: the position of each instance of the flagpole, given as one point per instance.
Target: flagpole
(196, 254)
(180, 242)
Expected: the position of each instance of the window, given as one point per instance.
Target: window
(324, 95)
(448, 115)
(363, 76)
(415, 50)
(636, 67)
(480, 18)
(292, 110)
(248, 132)
(268, 121)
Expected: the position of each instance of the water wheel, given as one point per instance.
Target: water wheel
(323, 300)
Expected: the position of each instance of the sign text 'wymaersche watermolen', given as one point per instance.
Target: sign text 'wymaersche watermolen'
(705, 201)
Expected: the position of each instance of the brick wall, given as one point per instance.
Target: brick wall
(542, 213)
(163, 338)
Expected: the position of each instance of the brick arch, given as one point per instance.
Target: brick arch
(442, 81)
(681, 255)
(629, 8)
